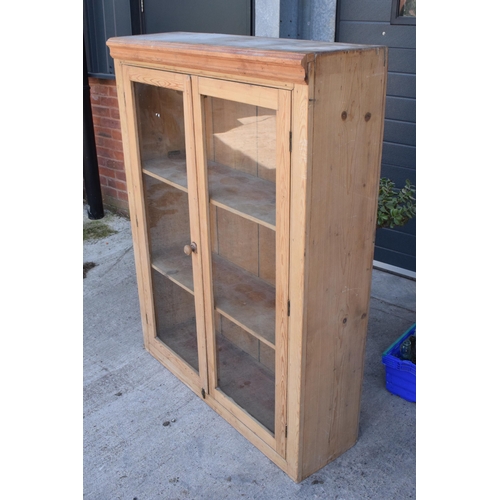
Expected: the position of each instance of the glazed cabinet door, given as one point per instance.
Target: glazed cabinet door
(164, 208)
(242, 135)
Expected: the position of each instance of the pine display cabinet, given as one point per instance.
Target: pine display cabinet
(252, 169)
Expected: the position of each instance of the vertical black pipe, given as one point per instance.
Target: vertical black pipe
(91, 179)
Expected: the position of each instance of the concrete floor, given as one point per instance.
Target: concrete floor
(131, 453)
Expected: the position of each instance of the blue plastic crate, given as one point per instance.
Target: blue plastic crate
(400, 375)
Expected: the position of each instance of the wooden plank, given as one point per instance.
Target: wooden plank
(275, 82)
(233, 46)
(246, 195)
(244, 299)
(301, 161)
(164, 79)
(242, 136)
(238, 240)
(242, 93)
(140, 236)
(248, 58)
(204, 214)
(208, 113)
(267, 254)
(234, 140)
(266, 122)
(348, 128)
(177, 268)
(167, 213)
(283, 120)
(172, 172)
(137, 209)
(239, 337)
(195, 230)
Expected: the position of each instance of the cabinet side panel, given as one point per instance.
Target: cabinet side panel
(349, 103)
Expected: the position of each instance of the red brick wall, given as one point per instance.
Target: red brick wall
(108, 140)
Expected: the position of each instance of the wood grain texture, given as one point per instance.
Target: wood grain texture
(349, 99)
(314, 252)
(283, 120)
(300, 194)
(137, 209)
(245, 195)
(245, 299)
(205, 214)
(247, 56)
(195, 229)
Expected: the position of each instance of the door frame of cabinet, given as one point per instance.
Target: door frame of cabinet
(193, 87)
(280, 101)
(126, 77)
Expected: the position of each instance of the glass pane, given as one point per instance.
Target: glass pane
(241, 155)
(162, 150)
(161, 132)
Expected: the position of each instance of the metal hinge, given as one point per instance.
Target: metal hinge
(288, 314)
(290, 141)
(142, 5)
(203, 393)
(286, 430)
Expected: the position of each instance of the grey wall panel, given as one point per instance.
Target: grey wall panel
(365, 10)
(400, 132)
(401, 85)
(377, 34)
(395, 258)
(201, 16)
(401, 108)
(104, 19)
(399, 174)
(402, 60)
(390, 238)
(399, 155)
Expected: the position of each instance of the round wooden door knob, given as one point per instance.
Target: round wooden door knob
(189, 249)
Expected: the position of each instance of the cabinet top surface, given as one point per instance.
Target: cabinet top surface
(272, 58)
(232, 43)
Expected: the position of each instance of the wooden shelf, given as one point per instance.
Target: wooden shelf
(245, 299)
(246, 195)
(243, 194)
(176, 266)
(240, 296)
(246, 381)
(171, 171)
